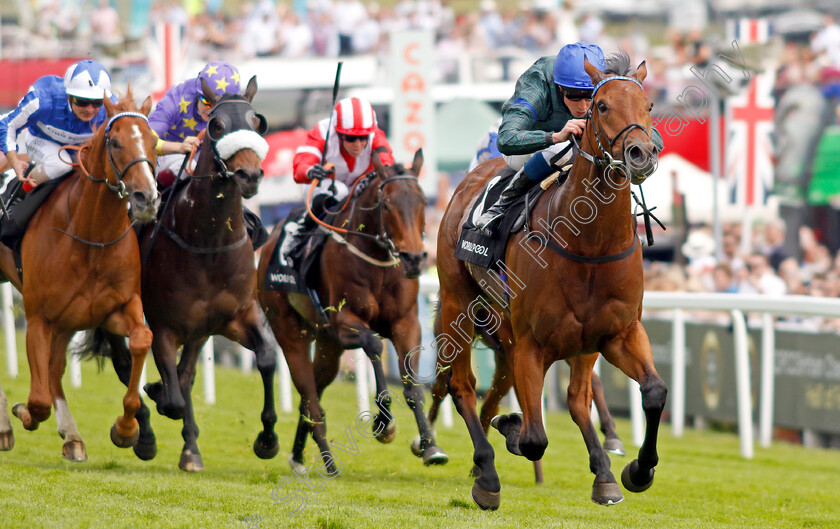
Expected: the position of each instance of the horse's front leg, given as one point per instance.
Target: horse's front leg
(7, 437)
(166, 393)
(630, 352)
(605, 490)
(39, 337)
(190, 460)
(355, 333)
(74, 446)
(405, 335)
(247, 329)
(129, 322)
(146, 446)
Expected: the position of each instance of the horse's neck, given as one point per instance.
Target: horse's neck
(592, 209)
(211, 195)
(94, 211)
(362, 215)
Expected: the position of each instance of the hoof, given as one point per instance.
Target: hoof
(20, 411)
(145, 451)
(415, 447)
(614, 446)
(388, 434)
(433, 455)
(486, 500)
(74, 451)
(627, 481)
(7, 440)
(606, 494)
(124, 442)
(296, 466)
(509, 426)
(190, 462)
(266, 448)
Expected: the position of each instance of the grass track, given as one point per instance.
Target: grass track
(701, 480)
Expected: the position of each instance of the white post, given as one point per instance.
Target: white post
(246, 359)
(361, 381)
(284, 378)
(742, 383)
(75, 371)
(593, 410)
(768, 362)
(9, 329)
(678, 374)
(446, 411)
(513, 402)
(143, 380)
(208, 372)
(371, 377)
(637, 414)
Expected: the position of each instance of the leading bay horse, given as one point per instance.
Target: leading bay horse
(81, 268)
(199, 276)
(582, 296)
(369, 282)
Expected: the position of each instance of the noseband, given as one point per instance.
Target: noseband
(606, 159)
(240, 125)
(119, 188)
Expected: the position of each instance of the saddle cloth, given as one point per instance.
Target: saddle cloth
(13, 227)
(475, 247)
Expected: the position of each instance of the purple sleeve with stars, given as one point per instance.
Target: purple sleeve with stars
(175, 117)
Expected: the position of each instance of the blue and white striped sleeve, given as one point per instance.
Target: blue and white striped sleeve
(12, 123)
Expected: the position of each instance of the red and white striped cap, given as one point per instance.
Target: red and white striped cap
(354, 116)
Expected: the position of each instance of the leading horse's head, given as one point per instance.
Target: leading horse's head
(128, 144)
(620, 123)
(402, 211)
(235, 131)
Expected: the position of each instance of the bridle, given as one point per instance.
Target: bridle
(605, 159)
(119, 188)
(218, 160)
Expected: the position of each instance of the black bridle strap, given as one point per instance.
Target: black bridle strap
(199, 250)
(85, 241)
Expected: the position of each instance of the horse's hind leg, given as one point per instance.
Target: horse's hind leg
(167, 392)
(129, 322)
(612, 443)
(38, 347)
(190, 456)
(7, 437)
(605, 490)
(146, 446)
(248, 331)
(631, 353)
(74, 446)
(405, 335)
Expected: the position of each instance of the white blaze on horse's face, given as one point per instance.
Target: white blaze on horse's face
(137, 136)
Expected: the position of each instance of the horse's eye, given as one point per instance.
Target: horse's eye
(386, 205)
(115, 144)
(651, 107)
(602, 106)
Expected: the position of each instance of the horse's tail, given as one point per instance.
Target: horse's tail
(94, 344)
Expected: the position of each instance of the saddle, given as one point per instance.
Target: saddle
(299, 276)
(17, 212)
(475, 247)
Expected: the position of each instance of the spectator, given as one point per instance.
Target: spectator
(105, 28)
(760, 279)
(348, 15)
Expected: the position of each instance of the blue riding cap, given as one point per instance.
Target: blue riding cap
(568, 67)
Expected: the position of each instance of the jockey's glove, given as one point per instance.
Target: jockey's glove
(317, 172)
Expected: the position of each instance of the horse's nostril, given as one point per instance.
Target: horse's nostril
(635, 152)
(139, 198)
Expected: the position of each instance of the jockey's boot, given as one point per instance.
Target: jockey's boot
(518, 185)
(254, 226)
(295, 231)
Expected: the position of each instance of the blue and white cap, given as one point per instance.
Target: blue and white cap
(88, 80)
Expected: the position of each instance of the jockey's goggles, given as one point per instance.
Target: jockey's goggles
(203, 100)
(350, 138)
(577, 95)
(83, 103)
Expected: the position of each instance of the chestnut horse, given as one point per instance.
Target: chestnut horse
(370, 282)
(81, 268)
(199, 277)
(581, 297)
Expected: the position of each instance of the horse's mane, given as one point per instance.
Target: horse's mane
(619, 64)
(96, 144)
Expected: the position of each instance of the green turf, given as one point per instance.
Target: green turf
(701, 481)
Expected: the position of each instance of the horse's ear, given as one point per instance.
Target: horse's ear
(594, 73)
(147, 106)
(378, 165)
(417, 164)
(208, 92)
(641, 72)
(110, 107)
(251, 89)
